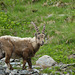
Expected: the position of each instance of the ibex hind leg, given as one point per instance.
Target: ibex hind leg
(7, 61)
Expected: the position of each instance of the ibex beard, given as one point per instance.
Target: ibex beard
(16, 47)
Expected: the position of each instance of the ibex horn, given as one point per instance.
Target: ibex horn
(35, 27)
(43, 29)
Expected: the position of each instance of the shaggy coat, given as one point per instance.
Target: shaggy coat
(16, 47)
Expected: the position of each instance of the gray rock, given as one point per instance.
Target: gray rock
(23, 72)
(50, 15)
(11, 60)
(7, 71)
(5, 65)
(2, 72)
(35, 70)
(15, 63)
(35, 74)
(17, 60)
(35, 66)
(1, 68)
(45, 61)
(67, 74)
(3, 59)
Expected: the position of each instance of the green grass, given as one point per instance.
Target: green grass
(15, 18)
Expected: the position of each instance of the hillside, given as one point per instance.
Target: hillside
(59, 17)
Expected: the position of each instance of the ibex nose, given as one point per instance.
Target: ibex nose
(42, 43)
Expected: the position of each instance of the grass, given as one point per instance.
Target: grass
(15, 18)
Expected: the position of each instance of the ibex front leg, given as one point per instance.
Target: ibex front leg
(7, 60)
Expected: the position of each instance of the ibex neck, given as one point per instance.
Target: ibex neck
(35, 45)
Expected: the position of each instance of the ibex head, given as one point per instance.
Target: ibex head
(39, 36)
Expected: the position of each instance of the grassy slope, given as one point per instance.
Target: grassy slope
(60, 30)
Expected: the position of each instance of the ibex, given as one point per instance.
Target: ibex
(16, 47)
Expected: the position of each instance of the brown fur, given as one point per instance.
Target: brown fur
(15, 47)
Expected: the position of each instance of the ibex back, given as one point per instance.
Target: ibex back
(16, 47)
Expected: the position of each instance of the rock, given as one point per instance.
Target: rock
(67, 74)
(14, 72)
(50, 15)
(7, 71)
(11, 60)
(33, 73)
(72, 56)
(23, 72)
(15, 63)
(5, 65)
(35, 70)
(45, 61)
(1, 72)
(45, 74)
(3, 59)
(35, 66)
(1, 68)
(17, 60)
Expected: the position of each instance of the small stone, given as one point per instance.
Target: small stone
(1, 68)
(45, 74)
(60, 64)
(67, 74)
(1, 72)
(7, 70)
(35, 74)
(35, 66)
(5, 65)
(3, 59)
(71, 56)
(17, 60)
(14, 72)
(11, 60)
(15, 63)
(23, 72)
(50, 15)
(35, 70)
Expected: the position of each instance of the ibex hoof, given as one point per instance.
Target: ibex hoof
(30, 69)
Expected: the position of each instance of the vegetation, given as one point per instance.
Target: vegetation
(59, 16)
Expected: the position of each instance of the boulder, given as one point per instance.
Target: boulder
(45, 61)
